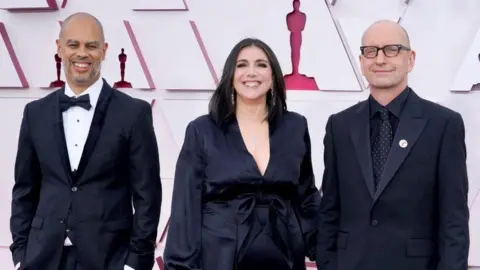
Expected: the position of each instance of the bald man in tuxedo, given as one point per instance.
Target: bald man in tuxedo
(86, 152)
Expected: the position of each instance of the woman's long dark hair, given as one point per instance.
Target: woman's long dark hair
(222, 109)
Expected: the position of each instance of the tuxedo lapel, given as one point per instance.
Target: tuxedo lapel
(360, 133)
(409, 129)
(60, 135)
(95, 127)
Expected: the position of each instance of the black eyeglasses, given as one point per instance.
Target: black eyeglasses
(391, 50)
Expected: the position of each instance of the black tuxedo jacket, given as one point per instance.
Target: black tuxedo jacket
(417, 218)
(93, 206)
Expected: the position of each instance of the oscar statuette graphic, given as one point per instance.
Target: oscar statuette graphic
(476, 87)
(296, 21)
(122, 57)
(58, 82)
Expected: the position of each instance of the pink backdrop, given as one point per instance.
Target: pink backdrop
(176, 50)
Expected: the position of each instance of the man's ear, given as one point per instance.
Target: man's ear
(105, 48)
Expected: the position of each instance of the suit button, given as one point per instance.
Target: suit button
(374, 222)
(62, 221)
(74, 189)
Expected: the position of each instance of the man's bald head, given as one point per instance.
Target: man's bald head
(386, 57)
(82, 48)
(386, 26)
(81, 16)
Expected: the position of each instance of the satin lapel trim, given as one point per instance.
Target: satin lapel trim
(360, 133)
(60, 136)
(95, 127)
(410, 127)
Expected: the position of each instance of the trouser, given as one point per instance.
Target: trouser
(69, 258)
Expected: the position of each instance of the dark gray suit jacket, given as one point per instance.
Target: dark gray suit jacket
(417, 218)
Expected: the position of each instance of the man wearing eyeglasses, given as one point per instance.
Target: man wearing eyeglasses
(395, 181)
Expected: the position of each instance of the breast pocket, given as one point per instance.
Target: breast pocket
(423, 152)
(109, 152)
(419, 159)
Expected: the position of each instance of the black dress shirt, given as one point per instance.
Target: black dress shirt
(394, 108)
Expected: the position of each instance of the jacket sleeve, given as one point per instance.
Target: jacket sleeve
(183, 245)
(329, 216)
(308, 199)
(26, 190)
(146, 190)
(453, 242)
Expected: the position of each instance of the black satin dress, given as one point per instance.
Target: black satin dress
(226, 215)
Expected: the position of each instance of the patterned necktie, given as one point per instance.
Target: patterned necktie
(381, 146)
(66, 102)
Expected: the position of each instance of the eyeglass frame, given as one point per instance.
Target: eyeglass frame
(399, 46)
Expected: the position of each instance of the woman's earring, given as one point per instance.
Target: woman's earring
(233, 97)
(272, 97)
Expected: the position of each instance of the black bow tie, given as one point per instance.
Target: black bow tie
(66, 102)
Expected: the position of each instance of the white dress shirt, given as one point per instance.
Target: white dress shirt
(76, 125)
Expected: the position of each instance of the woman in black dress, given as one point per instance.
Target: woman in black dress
(244, 195)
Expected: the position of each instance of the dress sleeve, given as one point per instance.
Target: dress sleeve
(183, 245)
(308, 199)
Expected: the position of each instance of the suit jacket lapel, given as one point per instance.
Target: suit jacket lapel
(360, 133)
(60, 135)
(410, 127)
(95, 127)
